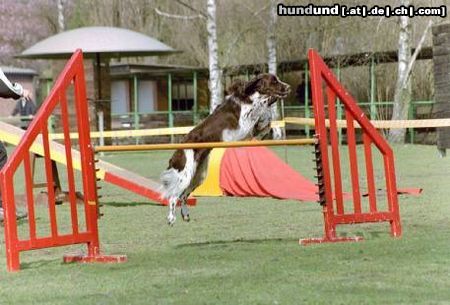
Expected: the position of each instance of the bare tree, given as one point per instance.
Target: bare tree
(271, 38)
(61, 23)
(215, 83)
(116, 9)
(271, 42)
(402, 95)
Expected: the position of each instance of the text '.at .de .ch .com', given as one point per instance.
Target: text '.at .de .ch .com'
(360, 10)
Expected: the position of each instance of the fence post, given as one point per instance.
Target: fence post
(50, 124)
(169, 100)
(307, 113)
(411, 117)
(135, 103)
(195, 106)
(338, 103)
(101, 129)
(373, 109)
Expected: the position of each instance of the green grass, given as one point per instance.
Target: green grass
(245, 251)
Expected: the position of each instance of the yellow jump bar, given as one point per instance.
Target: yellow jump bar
(117, 148)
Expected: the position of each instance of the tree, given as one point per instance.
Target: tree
(23, 23)
(271, 42)
(402, 95)
(215, 75)
(61, 23)
(215, 83)
(116, 9)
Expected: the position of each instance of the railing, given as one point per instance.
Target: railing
(374, 110)
(306, 111)
(131, 123)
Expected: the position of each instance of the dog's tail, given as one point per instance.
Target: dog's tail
(170, 180)
(175, 182)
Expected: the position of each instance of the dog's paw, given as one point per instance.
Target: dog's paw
(171, 219)
(185, 213)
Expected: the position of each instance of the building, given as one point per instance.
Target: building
(150, 96)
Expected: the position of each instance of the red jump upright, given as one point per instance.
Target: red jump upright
(325, 89)
(37, 134)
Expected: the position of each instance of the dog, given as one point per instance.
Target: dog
(245, 113)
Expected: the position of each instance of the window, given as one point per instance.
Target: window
(182, 96)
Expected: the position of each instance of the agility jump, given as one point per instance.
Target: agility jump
(330, 183)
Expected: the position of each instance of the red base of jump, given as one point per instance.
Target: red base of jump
(309, 241)
(95, 259)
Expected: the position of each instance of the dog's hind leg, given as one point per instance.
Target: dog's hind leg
(196, 181)
(172, 206)
(184, 209)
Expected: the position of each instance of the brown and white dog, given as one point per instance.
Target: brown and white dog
(245, 113)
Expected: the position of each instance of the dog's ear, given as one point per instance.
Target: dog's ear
(252, 86)
(237, 88)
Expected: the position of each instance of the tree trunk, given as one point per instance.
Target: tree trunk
(215, 84)
(272, 59)
(402, 95)
(61, 23)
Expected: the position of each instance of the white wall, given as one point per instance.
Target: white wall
(120, 97)
(147, 96)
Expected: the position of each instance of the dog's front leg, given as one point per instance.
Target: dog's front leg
(172, 206)
(262, 127)
(184, 209)
(263, 133)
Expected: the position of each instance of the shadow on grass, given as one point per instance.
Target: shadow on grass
(129, 204)
(38, 264)
(365, 235)
(238, 241)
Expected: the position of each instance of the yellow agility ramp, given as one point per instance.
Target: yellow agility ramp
(211, 185)
(12, 135)
(105, 171)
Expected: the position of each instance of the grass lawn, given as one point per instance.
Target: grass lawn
(245, 251)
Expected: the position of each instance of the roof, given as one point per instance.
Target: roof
(154, 70)
(109, 41)
(358, 59)
(344, 60)
(18, 71)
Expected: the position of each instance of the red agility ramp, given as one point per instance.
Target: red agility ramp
(257, 171)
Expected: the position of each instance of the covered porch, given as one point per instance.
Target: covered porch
(145, 96)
